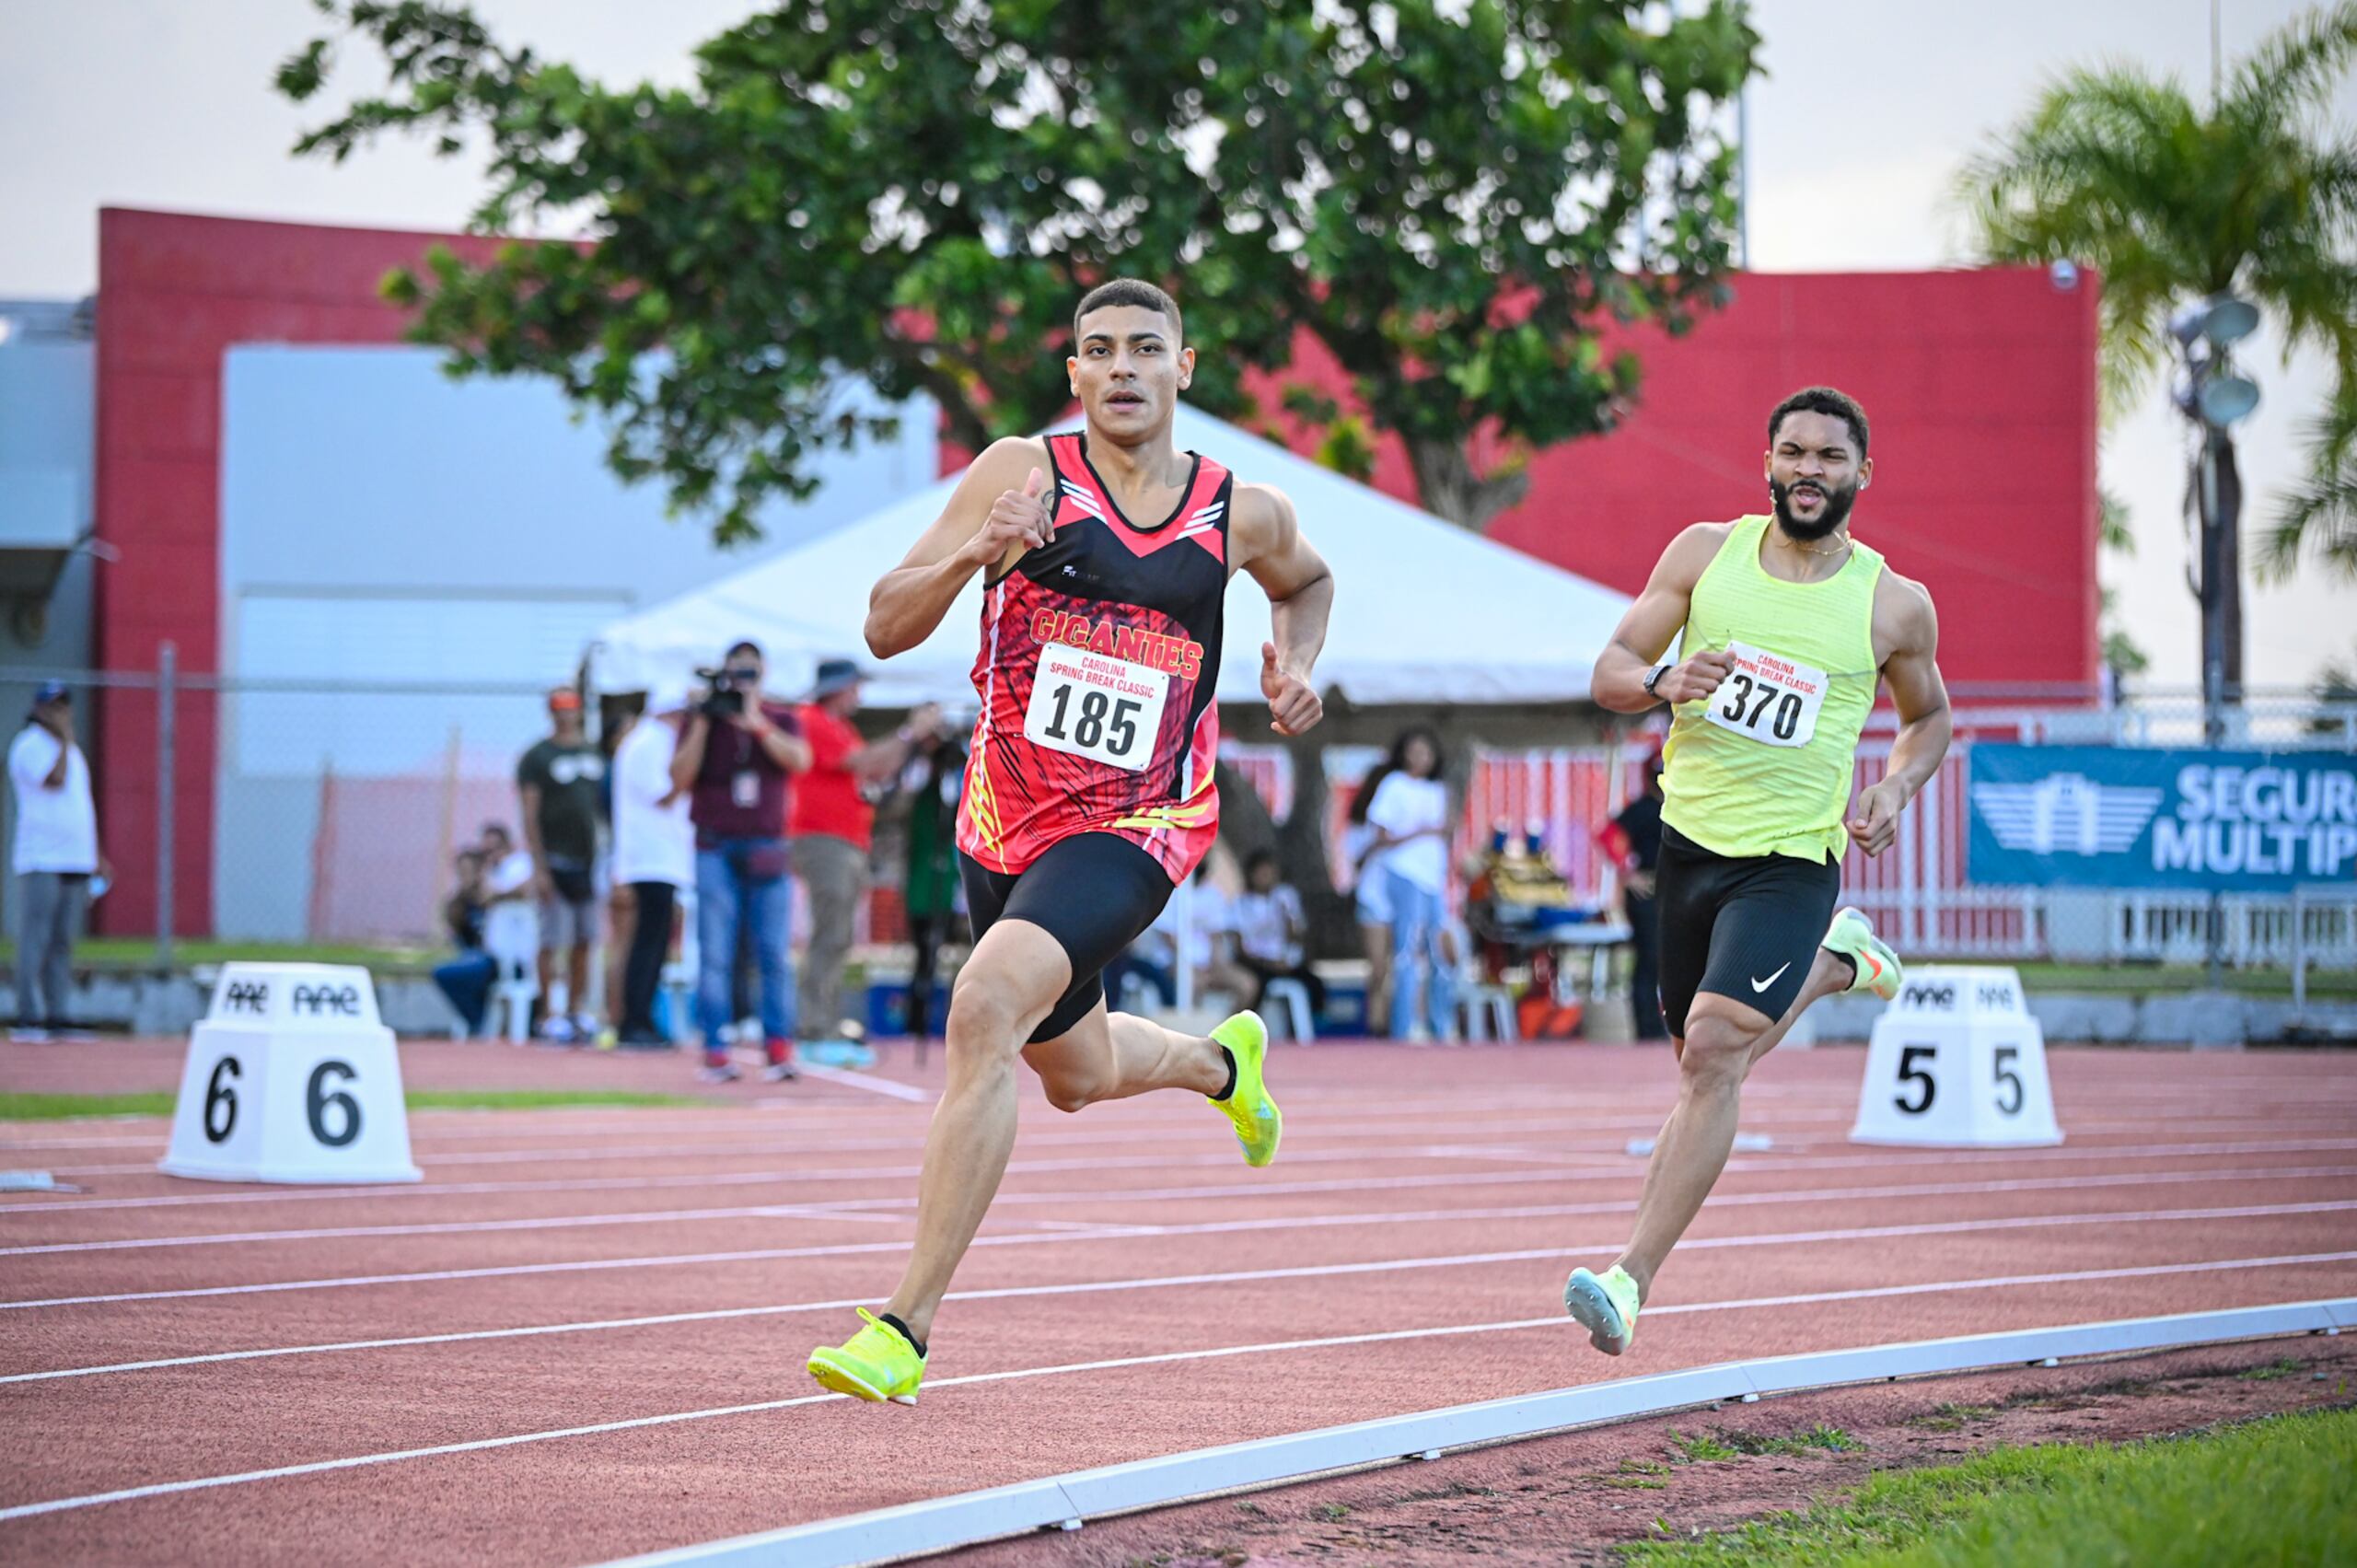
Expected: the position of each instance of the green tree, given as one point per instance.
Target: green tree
(2255, 195)
(2320, 514)
(1454, 198)
(2121, 653)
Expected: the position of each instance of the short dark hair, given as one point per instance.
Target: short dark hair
(1126, 291)
(744, 645)
(1826, 400)
(1259, 858)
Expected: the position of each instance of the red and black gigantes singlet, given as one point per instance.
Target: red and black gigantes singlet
(1098, 663)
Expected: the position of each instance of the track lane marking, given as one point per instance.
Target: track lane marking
(481, 1444)
(765, 1210)
(1926, 1227)
(1614, 1169)
(1088, 1287)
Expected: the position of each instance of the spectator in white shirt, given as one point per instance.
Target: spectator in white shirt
(1271, 932)
(55, 854)
(655, 856)
(1410, 815)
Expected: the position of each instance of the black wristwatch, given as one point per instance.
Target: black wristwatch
(1659, 670)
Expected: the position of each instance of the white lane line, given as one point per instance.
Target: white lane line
(1617, 1169)
(842, 1249)
(428, 1126)
(781, 1178)
(890, 1088)
(1089, 1287)
(1555, 1322)
(1592, 1158)
(775, 1147)
(766, 1211)
(1787, 1140)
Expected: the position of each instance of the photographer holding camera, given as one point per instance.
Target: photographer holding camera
(735, 757)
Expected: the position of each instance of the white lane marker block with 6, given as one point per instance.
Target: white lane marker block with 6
(1957, 1062)
(291, 1077)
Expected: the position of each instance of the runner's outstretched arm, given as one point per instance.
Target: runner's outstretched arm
(999, 510)
(1301, 599)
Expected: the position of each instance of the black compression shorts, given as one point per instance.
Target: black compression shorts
(1094, 893)
(1744, 928)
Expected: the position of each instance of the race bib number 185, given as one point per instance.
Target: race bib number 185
(1768, 698)
(1092, 706)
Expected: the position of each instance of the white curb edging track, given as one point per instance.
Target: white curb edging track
(969, 1518)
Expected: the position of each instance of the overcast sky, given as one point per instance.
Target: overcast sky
(1856, 133)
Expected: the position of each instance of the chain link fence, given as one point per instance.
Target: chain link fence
(327, 814)
(313, 813)
(1919, 894)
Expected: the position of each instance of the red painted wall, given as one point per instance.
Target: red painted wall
(1980, 387)
(174, 292)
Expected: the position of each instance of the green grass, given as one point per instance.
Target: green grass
(2275, 1490)
(137, 952)
(2144, 979)
(1705, 1447)
(1952, 1417)
(1818, 1439)
(59, 1107)
(1702, 1447)
(2281, 1366)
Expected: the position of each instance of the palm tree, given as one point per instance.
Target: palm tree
(2322, 513)
(2255, 196)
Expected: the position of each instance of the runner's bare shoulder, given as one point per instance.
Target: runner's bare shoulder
(1904, 620)
(1690, 553)
(1262, 515)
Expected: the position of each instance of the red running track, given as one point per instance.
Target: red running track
(582, 1337)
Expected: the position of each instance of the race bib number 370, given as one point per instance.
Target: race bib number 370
(1093, 706)
(1768, 698)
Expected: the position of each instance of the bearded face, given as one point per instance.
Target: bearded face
(1808, 510)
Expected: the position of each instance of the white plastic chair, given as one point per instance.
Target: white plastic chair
(511, 935)
(1302, 1021)
(1485, 1008)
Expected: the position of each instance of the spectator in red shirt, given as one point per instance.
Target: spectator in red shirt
(830, 827)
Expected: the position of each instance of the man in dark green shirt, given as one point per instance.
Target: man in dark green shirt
(563, 782)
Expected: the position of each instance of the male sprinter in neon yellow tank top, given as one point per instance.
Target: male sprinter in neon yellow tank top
(1788, 624)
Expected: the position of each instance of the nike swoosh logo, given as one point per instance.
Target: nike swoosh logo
(1761, 985)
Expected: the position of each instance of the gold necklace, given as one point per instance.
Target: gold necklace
(1791, 543)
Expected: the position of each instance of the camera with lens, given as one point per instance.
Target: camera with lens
(723, 697)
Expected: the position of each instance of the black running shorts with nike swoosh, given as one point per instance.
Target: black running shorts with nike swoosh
(1744, 928)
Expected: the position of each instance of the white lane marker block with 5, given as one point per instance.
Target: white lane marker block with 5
(291, 1077)
(1957, 1062)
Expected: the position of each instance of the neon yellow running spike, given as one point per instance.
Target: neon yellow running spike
(1258, 1122)
(1852, 934)
(877, 1363)
(1605, 1305)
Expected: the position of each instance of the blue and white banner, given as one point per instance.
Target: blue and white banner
(2118, 817)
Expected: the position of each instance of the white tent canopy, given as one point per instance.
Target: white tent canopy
(1423, 613)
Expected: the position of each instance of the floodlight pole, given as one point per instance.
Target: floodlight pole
(2221, 499)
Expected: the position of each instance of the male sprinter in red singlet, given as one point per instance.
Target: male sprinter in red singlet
(1789, 625)
(1089, 794)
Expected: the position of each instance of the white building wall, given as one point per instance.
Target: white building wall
(383, 524)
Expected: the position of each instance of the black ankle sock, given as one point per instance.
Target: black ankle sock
(1231, 1073)
(903, 1330)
